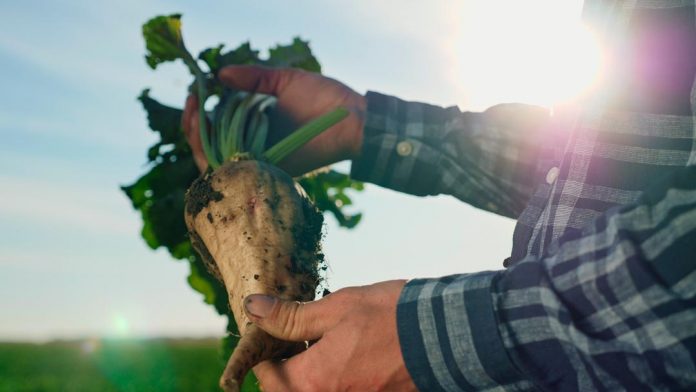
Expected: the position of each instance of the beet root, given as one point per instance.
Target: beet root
(258, 234)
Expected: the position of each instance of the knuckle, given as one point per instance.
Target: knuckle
(270, 81)
(289, 73)
(293, 326)
(283, 76)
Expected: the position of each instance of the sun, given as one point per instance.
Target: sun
(577, 67)
(543, 56)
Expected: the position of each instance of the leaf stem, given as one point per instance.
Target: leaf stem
(304, 134)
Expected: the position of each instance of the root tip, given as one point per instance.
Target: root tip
(229, 384)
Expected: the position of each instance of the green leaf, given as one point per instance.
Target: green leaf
(159, 196)
(210, 57)
(153, 152)
(213, 290)
(199, 282)
(163, 39)
(327, 190)
(250, 384)
(242, 55)
(296, 55)
(162, 119)
(183, 250)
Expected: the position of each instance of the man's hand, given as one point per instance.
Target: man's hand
(302, 96)
(357, 346)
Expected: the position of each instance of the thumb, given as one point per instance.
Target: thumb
(256, 78)
(289, 320)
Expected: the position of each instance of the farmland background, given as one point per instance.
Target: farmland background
(111, 365)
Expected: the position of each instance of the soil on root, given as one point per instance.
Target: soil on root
(200, 194)
(308, 244)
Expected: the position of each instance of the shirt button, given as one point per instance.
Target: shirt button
(552, 175)
(404, 148)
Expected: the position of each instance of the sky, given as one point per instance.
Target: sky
(72, 263)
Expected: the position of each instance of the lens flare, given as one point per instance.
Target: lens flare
(120, 326)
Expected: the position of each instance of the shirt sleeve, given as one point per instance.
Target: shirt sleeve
(611, 308)
(486, 159)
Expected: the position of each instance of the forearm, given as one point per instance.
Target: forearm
(612, 307)
(486, 159)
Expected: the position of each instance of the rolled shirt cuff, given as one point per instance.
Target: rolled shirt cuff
(449, 336)
(393, 154)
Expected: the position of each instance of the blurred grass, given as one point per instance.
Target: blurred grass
(111, 365)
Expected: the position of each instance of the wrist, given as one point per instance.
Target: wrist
(354, 131)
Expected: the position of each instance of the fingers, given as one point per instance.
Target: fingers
(287, 320)
(275, 376)
(191, 126)
(294, 374)
(256, 78)
(190, 112)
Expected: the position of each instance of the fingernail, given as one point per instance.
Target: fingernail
(259, 305)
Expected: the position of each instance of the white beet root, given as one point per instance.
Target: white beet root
(258, 234)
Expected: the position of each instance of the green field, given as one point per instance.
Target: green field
(111, 365)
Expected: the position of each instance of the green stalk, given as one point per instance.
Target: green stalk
(227, 133)
(258, 142)
(304, 134)
(214, 137)
(236, 133)
(257, 125)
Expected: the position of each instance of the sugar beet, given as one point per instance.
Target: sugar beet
(258, 234)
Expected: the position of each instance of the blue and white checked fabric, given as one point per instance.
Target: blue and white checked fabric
(600, 293)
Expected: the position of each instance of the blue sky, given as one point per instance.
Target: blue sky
(72, 263)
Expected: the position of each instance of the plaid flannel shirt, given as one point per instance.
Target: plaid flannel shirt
(600, 293)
